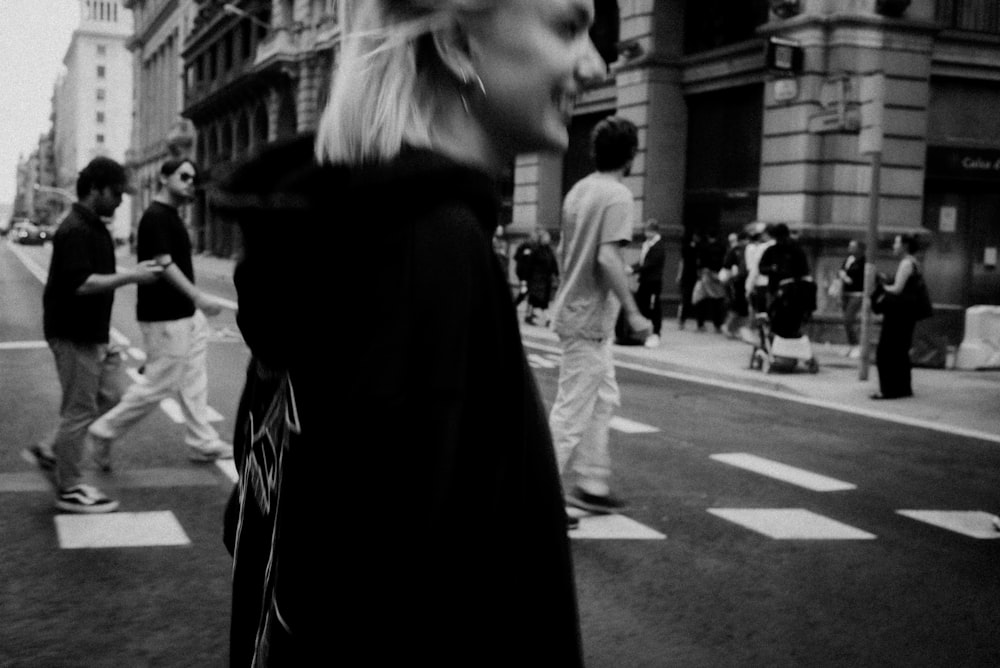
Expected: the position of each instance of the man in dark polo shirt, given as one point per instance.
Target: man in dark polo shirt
(77, 304)
(171, 314)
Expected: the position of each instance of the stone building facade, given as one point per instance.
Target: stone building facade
(728, 135)
(253, 75)
(159, 130)
(726, 138)
(93, 98)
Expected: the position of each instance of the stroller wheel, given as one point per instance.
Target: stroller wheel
(812, 365)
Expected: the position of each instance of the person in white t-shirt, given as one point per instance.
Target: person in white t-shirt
(597, 220)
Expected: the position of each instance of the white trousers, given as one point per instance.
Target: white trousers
(587, 396)
(174, 368)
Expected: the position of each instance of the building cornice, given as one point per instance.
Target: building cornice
(145, 32)
(844, 19)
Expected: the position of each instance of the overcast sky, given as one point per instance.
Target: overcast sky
(34, 36)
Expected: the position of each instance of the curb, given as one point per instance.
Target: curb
(621, 354)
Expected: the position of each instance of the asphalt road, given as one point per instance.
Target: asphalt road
(698, 588)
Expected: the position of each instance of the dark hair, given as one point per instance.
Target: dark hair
(100, 173)
(614, 142)
(911, 242)
(779, 231)
(173, 164)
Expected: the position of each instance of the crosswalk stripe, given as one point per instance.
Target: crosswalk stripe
(972, 523)
(791, 524)
(783, 472)
(23, 345)
(627, 426)
(613, 527)
(158, 528)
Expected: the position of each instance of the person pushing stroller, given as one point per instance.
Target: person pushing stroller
(791, 292)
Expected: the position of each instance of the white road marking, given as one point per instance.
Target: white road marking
(627, 426)
(214, 415)
(23, 345)
(972, 523)
(808, 401)
(539, 361)
(228, 467)
(120, 530)
(783, 472)
(790, 524)
(613, 527)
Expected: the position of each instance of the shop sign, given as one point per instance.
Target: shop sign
(963, 163)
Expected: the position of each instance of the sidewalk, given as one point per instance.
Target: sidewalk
(963, 401)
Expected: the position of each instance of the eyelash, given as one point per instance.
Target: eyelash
(570, 29)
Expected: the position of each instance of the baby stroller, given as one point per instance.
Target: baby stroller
(780, 342)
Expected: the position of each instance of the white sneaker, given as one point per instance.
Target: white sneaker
(855, 353)
(211, 453)
(652, 341)
(85, 499)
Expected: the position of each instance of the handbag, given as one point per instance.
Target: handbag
(913, 301)
(836, 289)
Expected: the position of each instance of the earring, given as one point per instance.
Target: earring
(467, 83)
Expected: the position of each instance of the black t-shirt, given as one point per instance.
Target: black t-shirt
(161, 232)
(81, 246)
(855, 269)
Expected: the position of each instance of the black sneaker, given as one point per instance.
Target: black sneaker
(45, 460)
(601, 505)
(572, 522)
(85, 499)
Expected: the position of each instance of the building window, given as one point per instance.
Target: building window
(100, 71)
(102, 50)
(100, 139)
(100, 93)
(100, 117)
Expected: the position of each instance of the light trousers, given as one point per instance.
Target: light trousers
(91, 379)
(587, 396)
(174, 368)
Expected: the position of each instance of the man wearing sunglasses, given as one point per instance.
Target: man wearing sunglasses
(171, 314)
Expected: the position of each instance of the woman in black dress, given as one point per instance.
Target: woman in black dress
(893, 351)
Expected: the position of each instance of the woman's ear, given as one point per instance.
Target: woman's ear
(452, 45)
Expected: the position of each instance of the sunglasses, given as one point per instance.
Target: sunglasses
(185, 177)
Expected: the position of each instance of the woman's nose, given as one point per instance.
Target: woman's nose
(591, 67)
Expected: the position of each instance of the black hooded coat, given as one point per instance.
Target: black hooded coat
(399, 502)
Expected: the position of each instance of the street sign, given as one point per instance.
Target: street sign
(827, 121)
(872, 108)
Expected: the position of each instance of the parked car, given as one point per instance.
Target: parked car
(26, 232)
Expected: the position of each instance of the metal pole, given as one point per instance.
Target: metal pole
(871, 247)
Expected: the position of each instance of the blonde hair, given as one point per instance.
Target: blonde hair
(383, 93)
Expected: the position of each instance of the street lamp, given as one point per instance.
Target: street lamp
(230, 8)
(55, 191)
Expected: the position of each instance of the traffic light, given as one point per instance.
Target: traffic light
(605, 30)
